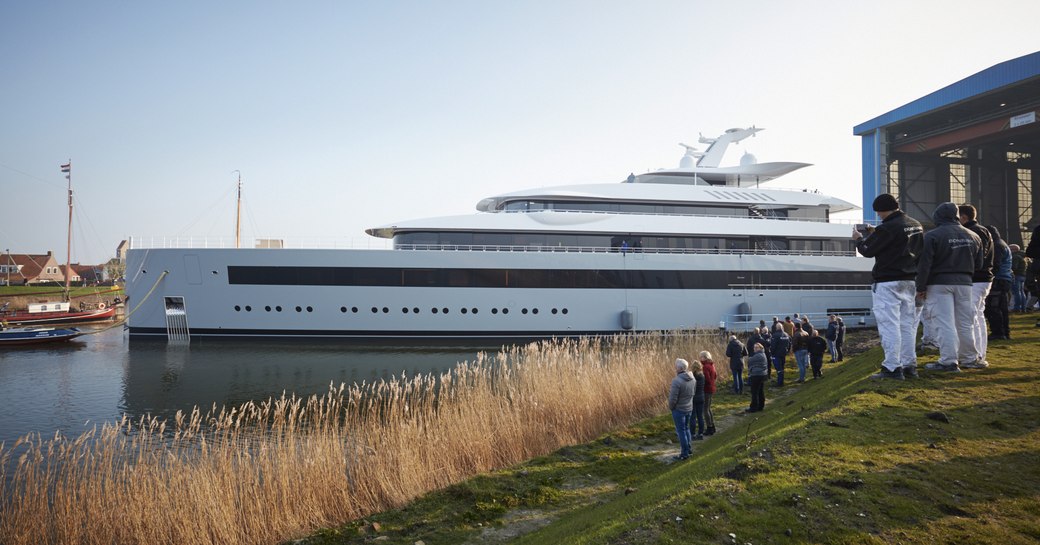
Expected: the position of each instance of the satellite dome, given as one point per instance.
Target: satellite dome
(747, 159)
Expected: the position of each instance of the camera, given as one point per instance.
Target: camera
(864, 228)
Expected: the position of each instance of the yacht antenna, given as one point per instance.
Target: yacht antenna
(238, 212)
(67, 169)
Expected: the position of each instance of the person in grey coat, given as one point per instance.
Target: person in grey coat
(680, 401)
(757, 366)
(950, 256)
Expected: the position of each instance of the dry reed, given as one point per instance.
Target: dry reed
(265, 472)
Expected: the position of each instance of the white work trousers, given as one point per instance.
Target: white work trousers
(952, 311)
(979, 291)
(894, 312)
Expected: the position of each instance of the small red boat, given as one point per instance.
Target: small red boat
(55, 313)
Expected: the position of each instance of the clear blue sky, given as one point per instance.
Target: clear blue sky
(348, 115)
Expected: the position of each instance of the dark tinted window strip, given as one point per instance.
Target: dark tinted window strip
(536, 278)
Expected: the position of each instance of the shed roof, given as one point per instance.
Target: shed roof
(1022, 69)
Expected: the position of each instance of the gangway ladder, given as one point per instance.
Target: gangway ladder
(176, 320)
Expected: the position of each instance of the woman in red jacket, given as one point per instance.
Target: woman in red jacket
(709, 390)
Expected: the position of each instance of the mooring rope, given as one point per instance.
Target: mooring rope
(132, 311)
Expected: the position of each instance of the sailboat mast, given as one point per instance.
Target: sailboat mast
(67, 169)
(238, 213)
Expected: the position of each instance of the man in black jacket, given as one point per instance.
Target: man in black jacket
(951, 254)
(894, 245)
(981, 282)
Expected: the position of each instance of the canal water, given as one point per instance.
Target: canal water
(69, 387)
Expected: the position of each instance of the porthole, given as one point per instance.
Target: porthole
(267, 308)
(534, 311)
(434, 310)
(404, 310)
(494, 311)
(238, 308)
(505, 311)
(144, 271)
(374, 310)
(415, 310)
(444, 310)
(310, 309)
(299, 309)
(278, 308)
(214, 273)
(353, 309)
(523, 311)
(464, 310)
(343, 309)
(554, 311)
(249, 308)
(386, 310)
(475, 310)
(565, 311)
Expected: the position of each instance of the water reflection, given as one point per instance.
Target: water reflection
(99, 377)
(160, 379)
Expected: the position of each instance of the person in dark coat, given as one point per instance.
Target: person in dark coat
(817, 346)
(779, 346)
(736, 351)
(839, 339)
(697, 418)
(996, 310)
(832, 336)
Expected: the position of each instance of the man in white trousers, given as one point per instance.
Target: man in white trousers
(894, 245)
(981, 281)
(949, 257)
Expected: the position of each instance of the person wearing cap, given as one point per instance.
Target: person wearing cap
(981, 282)
(894, 245)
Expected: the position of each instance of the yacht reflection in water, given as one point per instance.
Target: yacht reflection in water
(160, 379)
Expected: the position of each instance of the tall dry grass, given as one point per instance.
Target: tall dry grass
(274, 470)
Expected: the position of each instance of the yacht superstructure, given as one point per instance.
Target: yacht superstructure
(697, 246)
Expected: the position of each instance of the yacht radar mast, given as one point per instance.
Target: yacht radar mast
(712, 156)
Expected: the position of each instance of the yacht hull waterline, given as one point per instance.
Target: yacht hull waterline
(688, 248)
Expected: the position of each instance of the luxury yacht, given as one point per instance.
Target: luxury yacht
(691, 247)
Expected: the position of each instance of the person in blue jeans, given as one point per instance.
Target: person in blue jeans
(779, 346)
(697, 419)
(680, 402)
(801, 352)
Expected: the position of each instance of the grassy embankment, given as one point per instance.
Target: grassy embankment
(946, 458)
(269, 471)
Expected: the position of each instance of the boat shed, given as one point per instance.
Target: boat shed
(975, 141)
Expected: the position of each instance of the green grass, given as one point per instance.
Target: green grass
(845, 459)
(52, 292)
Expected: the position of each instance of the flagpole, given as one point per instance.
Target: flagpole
(238, 213)
(67, 169)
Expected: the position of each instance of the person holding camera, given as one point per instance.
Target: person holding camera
(894, 245)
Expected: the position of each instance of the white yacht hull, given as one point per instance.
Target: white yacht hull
(223, 292)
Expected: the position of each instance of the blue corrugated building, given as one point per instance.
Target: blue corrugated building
(975, 141)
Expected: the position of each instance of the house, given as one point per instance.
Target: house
(25, 269)
(121, 250)
(87, 274)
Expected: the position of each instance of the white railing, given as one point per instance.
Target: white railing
(628, 251)
(317, 243)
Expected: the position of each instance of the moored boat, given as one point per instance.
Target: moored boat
(55, 313)
(696, 246)
(19, 336)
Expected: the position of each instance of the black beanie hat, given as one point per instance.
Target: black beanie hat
(885, 203)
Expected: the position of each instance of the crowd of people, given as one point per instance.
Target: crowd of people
(949, 281)
(953, 279)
